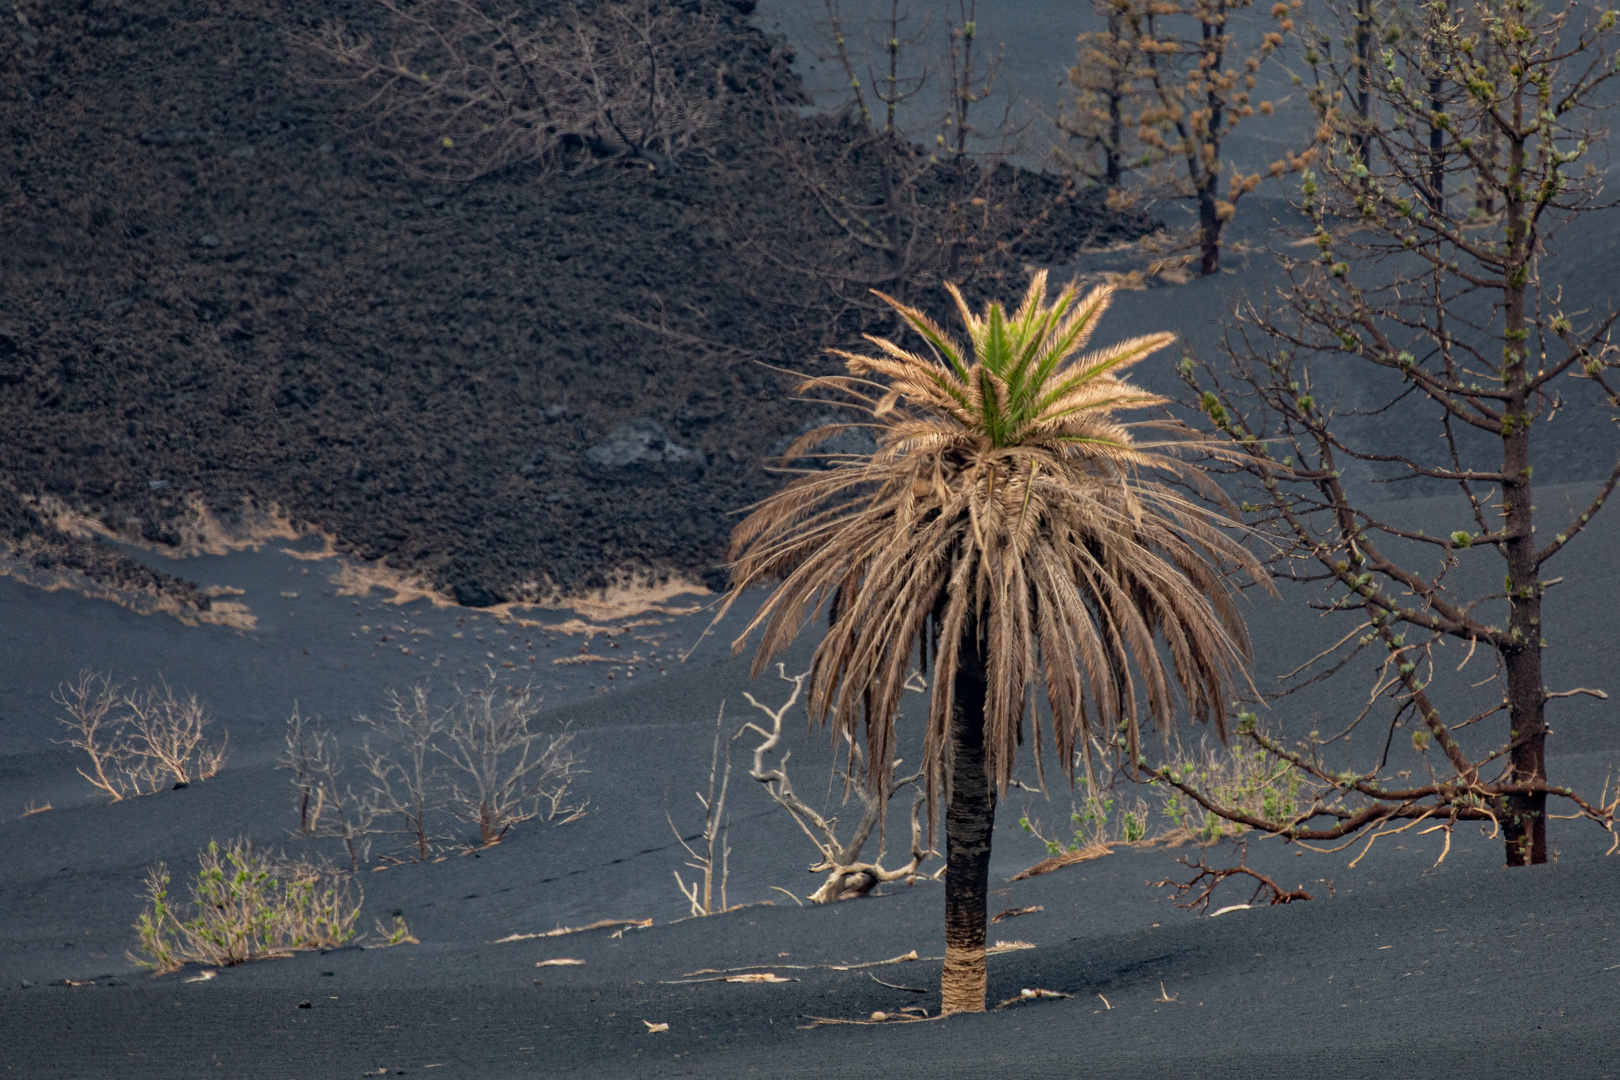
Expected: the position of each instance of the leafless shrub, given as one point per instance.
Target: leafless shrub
(95, 726)
(339, 812)
(245, 905)
(462, 88)
(701, 894)
(506, 770)
(406, 788)
(847, 875)
(169, 732)
(304, 745)
(482, 758)
(138, 741)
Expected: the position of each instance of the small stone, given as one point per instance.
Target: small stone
(209, 240)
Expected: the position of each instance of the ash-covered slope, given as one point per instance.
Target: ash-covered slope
(209, 294)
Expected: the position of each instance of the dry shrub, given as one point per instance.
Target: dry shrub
(140, 741)
(483, 757)
(245, 905)
(506, 770)
(462, 88)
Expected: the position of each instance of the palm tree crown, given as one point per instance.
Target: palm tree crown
(1007, 496)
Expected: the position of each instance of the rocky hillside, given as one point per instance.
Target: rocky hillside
(211, 293)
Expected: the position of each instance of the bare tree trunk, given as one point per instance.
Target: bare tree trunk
(970, 818)
(1112, 172)
(1437, 142)
(1361, 137)
(1524, 824)
(1209, 230)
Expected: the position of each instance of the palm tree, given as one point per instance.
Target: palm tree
(1010, 528)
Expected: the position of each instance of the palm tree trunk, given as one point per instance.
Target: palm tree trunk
(970, 818)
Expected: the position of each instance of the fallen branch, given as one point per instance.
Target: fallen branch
(1068, 858)
(904, 958)
(847, 876)
(600, 924)
(877, 1019)
(1208, 878)
(1035, 994)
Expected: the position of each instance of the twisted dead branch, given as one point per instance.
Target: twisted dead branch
(847, 875)
(1203, 884)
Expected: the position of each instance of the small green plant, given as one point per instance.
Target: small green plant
(245, 905)
(1242, 776)
(1239, 776)
(1100, 817)
(398, 934)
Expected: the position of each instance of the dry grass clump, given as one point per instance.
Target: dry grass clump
(138, 741)
(245, 905)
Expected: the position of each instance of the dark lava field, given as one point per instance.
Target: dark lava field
(214, 294)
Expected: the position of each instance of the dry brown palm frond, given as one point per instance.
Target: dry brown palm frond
(1009, 499)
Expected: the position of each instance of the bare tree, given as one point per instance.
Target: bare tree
(714, 861)
(1099, 117)
(169, 730)
(888, 208)
(406, 787)
(847, 875)
(140, 740)
(507, 771)
(1194, 80)
(462, 88)
(1438, 309)
(117, 767)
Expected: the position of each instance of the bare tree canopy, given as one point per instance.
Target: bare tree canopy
(1445, 167)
